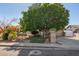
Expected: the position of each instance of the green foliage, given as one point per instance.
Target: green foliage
(37, 39)
(9, 34)
(44, 16)
(5, 36)
(12, 35)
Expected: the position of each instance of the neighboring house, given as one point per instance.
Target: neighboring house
(76, 31)
(74, 28)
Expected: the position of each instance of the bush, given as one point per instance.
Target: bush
(5, 36)
(37, 39)
(9, 34)
(12, 35)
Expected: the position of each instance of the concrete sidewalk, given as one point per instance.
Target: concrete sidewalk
(52, 45)
(66, 43)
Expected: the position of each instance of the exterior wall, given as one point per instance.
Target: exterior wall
(59, 33)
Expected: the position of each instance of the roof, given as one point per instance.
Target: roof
(12, 27)
(73, 27)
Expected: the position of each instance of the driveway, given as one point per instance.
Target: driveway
(69, 41)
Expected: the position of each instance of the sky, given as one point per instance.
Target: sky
(74, 13)
(8, 11)
(12, 10)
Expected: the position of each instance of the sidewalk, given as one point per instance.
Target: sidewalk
(66, 43)
(52, 45)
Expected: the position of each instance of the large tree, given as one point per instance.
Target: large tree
(44, 17)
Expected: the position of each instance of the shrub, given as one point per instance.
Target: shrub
(37, 39)
(5, 36)
(9, 34)
(12, 35)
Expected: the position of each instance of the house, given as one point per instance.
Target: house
(74, 28)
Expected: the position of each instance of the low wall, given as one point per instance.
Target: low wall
(59, 33)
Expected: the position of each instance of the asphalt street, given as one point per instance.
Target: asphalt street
(36, 51)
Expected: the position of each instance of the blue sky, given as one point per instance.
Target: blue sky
(12, 10)
(74, 12)
(9, 11)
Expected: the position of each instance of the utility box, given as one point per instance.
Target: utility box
(52, 36)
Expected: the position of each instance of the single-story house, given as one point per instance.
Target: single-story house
(74, 28)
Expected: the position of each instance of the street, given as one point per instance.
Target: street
(36, 51)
